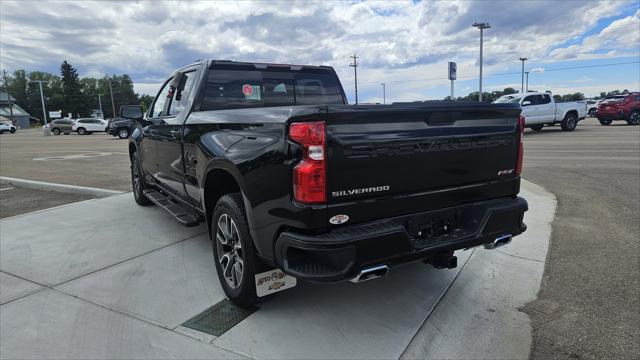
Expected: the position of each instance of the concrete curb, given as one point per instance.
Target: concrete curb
(63, 188)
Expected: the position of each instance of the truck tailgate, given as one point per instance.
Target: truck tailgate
(386, 161)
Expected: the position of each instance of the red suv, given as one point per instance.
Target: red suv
(627, 109)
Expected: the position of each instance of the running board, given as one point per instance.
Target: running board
(184, 216)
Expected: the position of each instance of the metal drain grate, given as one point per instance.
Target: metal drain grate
(219, 318)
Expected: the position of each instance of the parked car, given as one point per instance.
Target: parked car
(540, 109)
(592, 107)
(626, 108)
(61, 126)
(4, 127)
(84, 126)
(121, 128)
(294, 183)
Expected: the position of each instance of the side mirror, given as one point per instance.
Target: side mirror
(133, 112)
(525, 103)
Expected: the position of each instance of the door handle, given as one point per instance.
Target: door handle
(175, 134)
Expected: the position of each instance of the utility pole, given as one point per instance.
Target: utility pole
(6, 87)
(523, 59)
(113, 105)
(355, 73)
(384, 93)
(44, 108)
(481, 26)
(526, 83)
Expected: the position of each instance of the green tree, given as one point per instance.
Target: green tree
(74, 100)
(146, 101)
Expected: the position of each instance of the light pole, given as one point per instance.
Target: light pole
(100, 104)
(44, 109)
(384, 93)
(481, 26)
(526, 83)
(523, 59)
(6, 85)
(113, 105)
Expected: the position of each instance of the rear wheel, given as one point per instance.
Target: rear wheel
(13, 130)
(82, 131)
(634, 118)
(537, 127)
(592, 112)
(605, 122)
(569, 122)
(123, 133)
(56, 131)
(233, 251)
(137, 181)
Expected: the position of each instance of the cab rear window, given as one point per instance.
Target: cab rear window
(241, 87)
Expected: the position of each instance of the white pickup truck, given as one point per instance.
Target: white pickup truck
(540, 109)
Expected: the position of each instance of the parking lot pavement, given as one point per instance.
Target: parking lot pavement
(97, 160)
(588, 305)
(16, 200)
(118, 280)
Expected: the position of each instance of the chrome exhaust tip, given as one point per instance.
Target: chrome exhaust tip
(499, 241)
(371, 273)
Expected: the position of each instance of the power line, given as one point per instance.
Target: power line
(506, 73)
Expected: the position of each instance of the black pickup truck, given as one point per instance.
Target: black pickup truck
(294, 183)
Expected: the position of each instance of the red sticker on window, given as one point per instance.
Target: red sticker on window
(247, 90)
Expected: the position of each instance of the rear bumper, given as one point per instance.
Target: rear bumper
(342, 253)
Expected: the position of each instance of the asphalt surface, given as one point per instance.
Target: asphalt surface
(16, 201)
(588, 306)
(96, 160)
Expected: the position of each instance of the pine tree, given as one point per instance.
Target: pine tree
(72, 91)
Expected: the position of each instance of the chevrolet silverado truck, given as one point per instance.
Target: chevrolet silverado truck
(540, 109)
(294, 183)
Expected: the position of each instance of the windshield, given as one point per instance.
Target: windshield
(233, 87)
(508, 99)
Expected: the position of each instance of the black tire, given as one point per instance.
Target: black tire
(230, 214)
(123, 133)
(605, 122)
(82, 131)
(56, 131)
(12, 130)
(569, 122)
(66, 133)
(592, 113)
(537, 127)
(137, 182)
(634, 118)
(1, 132)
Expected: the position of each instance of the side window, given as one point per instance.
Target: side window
(531, 99)
(178, 105)
(161, 100)
(545, 99)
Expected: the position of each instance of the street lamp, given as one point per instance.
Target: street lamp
(481, 26)
(526, 82)
(384, 93)
(523, 59)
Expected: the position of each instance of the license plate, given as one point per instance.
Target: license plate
(272, 281)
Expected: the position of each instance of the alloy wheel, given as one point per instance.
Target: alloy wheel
(229, 248)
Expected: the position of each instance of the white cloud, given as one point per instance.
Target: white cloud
(396, 40)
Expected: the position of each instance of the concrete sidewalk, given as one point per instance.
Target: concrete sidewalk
(117, 281)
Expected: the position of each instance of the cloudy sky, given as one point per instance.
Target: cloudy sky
(572, 45)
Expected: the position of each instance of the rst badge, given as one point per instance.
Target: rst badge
(505, 172)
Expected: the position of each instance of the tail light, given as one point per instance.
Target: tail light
(520, 146)
(309, 176)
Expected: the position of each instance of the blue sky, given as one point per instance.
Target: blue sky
(405, 44)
